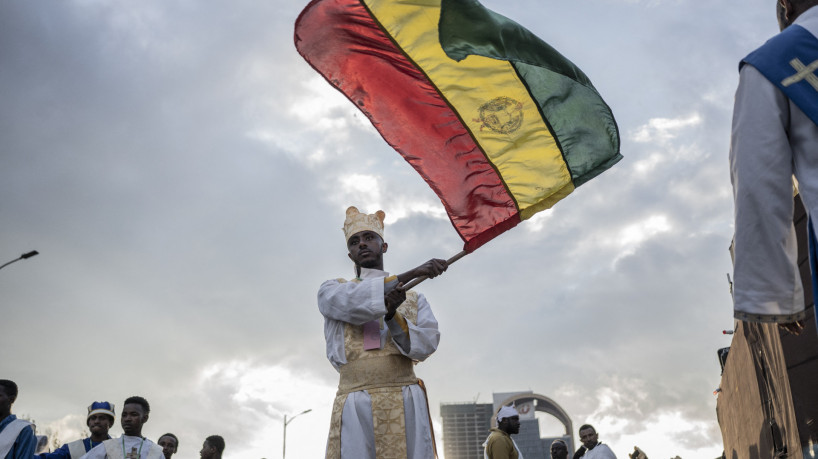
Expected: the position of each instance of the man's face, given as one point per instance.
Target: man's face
(366, 249)
(99, 424)
(5, 401)
(512, 425)
(132, 418)
(559, 450)
(588, 437)
(168, 445)
(207, 452)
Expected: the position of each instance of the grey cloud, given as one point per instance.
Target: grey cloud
(172, 240)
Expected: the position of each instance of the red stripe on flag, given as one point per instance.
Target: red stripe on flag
(342, 41)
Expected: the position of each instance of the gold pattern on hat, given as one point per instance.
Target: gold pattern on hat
(356, 222)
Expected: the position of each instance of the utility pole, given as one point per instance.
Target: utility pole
(21, 257)
(284, 448)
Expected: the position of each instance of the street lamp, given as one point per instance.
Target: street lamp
(284, 451)
(21, 257)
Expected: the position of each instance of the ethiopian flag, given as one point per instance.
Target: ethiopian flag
(497, 122)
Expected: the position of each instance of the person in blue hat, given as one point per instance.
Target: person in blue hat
(131, 445)
(100, 419)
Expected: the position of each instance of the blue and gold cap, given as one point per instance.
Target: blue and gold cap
(101, 408)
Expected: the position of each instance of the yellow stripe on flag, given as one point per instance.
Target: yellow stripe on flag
(492, 102)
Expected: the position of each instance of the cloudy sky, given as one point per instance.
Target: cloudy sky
(184, 174)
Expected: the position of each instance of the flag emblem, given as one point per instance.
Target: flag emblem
(503, 115)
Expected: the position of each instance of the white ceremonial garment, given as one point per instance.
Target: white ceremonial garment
(772, 140)
(357, 303)
(9, 434)
(600, 451)
(76, 449)
(149, 449)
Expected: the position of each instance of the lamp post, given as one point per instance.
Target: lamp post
(284, 450)
(21, 257)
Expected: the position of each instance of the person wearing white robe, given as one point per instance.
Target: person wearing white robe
(17, 439)
(131, 445)
(594, 449)
(100, 419)
(772, 140)
(376, 297)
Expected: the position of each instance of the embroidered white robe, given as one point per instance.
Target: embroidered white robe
(352, 304)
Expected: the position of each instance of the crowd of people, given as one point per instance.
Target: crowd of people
(18, 439)
(500, 445)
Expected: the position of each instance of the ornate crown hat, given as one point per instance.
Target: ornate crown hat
(356, 222)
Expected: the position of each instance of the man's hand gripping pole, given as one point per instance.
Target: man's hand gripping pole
(430, 269)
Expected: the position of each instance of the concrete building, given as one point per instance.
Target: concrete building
(465, 428)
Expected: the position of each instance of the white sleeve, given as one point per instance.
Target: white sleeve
(419, 340)
(767, 284)
(610, 452)
(97, 452)
(352, 302)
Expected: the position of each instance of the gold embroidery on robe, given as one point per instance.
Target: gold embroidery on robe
(382, 373)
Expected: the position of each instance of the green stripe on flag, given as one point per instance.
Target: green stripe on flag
(581, 121)
(579, 118)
